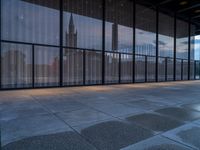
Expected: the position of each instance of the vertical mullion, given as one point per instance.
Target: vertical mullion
(166, 61)
(194, 70)
(175, 47)
(33, 66)
(181, 69)
(0, 49)
(103, 41)
(61, 42)
(134, 26)
(84, 65)
(198, 71)
(145, 68)
(119, 67)
(157, 26)
(189, 49)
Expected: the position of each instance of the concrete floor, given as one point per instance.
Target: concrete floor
(150, 116)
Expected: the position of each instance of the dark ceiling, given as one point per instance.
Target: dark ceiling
(186, 9)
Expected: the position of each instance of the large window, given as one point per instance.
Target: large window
(165, 47)
(166, 35)
(82, 24)
(182, 33)
(145, 31)
(16, 65)
(72, 66)
(34, 21)
(46, 66)
(119, 26)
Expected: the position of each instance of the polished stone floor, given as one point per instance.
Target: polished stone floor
(150, 116)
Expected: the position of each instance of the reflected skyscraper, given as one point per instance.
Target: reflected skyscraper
(114, 36)
(71, 35)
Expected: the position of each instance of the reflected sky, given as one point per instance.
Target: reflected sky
(197, 47)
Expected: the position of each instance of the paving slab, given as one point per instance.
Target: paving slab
(195, 106)
(20, 108)
(59, 141)
(20, 128)
(180, 113)
(188, 134)
(82, 116)
(113, 135)
(116, 110)
(63, 105)
(155, 122)
(145, 104)
(157, 143)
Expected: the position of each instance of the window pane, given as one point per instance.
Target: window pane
(182, 39)
(140, 68)
(192, 41)
(178, 69)
(185, 69)
(145, 31)
(151, 68)
(16, 66)
(82, 24)
(126, 68)
(93, 67)
(161, 69)
(111, 68)
(46, 66)
(35, 21)
(166, 35)
(72, 67)
(119, 26)
(170, 69)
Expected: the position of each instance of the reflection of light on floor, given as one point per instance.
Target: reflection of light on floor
(99, 88)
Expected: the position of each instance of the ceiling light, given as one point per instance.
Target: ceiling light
(197, 11)
(183, 3)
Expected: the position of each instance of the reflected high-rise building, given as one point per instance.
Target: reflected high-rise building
(71, 35)
(114, 37)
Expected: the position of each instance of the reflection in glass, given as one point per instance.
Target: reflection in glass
(34, 21)
(111, 67)
(151, 68)
(126, 68)
(46, 66)
(119, 26)
(16, 65)
(166, 35)
(93, 67)
(185, 69)
(72, 66)
(82, 24)
(139, 68)
(170, 69)
(178, 69)
(182, 39)
(192, 69)
(145, 31)
(161, 69)
(192, 42)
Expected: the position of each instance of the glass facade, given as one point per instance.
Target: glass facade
(52, 43)
(29, 21)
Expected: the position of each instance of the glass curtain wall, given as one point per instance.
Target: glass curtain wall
(118, 39)
(82, 30)
(165, 47)
(145, 42)
(192, 51)
(182, 32)
(34, 45)
(16, 65)
(36, 22)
